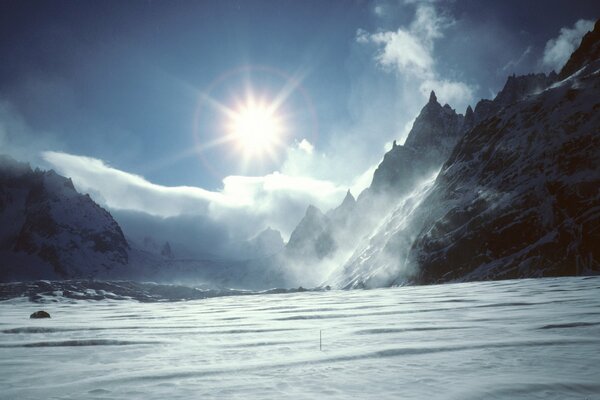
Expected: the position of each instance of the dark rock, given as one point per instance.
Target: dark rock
(518, 198)
(56, 231)
(587, 52)
(40, 314)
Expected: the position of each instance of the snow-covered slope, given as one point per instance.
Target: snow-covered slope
(50, 231)
(332, 237)
(518, 197)
(534, 339)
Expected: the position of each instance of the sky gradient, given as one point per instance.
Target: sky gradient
(128, 97)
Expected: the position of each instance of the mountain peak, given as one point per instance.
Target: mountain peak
(349, 198)
(313, 211)
(587, 52)
(518, 87)
(469, 112)
(432, 97)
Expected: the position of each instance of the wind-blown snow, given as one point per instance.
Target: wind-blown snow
(533, 339)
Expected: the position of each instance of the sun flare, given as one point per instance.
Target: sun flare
(256, 129)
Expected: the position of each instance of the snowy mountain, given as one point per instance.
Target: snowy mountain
(50, 231)
(517, 197)
(336, 234)
(265, 244)
(430, 141)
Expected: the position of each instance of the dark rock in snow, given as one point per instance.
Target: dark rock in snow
(40, 314)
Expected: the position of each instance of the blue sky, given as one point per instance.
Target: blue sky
(130, 87)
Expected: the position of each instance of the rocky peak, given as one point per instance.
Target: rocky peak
(341, 213)
(313, 220)
(434, 126)
(52, 230)
(469, 120)
(432, 97)
(518, 87)
(515, 89)
(312, 212)
(310, 239)
(587, 52)
(349, 199)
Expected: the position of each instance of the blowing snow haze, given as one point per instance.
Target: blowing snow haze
(260, 144)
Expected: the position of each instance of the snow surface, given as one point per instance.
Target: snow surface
(530, 339)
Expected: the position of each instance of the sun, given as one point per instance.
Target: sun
(256, 129)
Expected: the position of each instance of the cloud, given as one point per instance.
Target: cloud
(125, 191)
(456, 93)
(514, 63)
(409, 52)
(18, 139)
(245, 204)
(306, 146)
(558, 50)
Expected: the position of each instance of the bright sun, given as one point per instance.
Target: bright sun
(256, 129)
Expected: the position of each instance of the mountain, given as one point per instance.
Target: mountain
(336, 234)
(49, 230)
(430, 141)
(311, 238)
(517, 196)
(267, 243)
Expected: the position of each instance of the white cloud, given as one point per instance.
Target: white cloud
(558, 50)
(402, 52)
(245, 204)
(306, 146)
(409, 52)
(458, 94)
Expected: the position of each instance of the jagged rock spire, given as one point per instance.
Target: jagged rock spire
(469, 120)
(348, 198)
(432, 97)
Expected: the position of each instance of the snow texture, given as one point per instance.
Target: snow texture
(516, 339)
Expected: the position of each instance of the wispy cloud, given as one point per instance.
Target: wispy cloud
(245, 203)
(558, 49)
(515, 63)
(409, 52)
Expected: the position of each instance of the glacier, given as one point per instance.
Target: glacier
(512, 339)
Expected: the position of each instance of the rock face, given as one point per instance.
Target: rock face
(520, 197)
(515, 89)
(517, 197)
(337, 233)
(587, 53)
(311, 238)
(51, 231)
(430, 141)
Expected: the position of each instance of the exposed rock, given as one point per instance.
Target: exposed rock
(311, 237)
(40, 314)
(517, 197)
(587, 52)
(49, 230)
